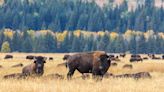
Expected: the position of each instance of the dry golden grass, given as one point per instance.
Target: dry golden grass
(155, 67)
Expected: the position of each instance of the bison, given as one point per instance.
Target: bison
(97, 63)
(154, 57)
(128, 66)
(50, 58)
(139, 75)
(36, 68)
(122, 55)
(30, 57)
(8, 57)
(145, 58)
(135, 58)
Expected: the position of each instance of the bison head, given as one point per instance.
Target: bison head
(104, 57)
(39, 65)
(66, 57)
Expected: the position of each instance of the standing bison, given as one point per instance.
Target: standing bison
(97, 63)
(36, 68)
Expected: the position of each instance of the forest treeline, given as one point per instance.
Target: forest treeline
(60, 15)
(80, 41)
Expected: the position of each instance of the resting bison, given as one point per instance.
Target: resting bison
(30, 57)
(97, 63)
(36, 68)
(145, 58)
(18, 65)
(135, 75)
(154, 57)
(8, 57)
(162, 56)
(50, 58)
(128, 66)
(135, 58)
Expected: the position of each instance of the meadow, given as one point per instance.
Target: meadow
(77, 84)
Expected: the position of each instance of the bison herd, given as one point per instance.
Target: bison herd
(96, 63)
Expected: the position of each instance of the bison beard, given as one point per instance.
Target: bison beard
(96, 63)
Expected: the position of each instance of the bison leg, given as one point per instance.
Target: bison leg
(70, 73)
(97, 75)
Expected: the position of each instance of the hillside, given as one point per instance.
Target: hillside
(69, 15)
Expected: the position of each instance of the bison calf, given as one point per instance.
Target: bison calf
(51, 58)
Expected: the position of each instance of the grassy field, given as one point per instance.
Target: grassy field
(155, 67)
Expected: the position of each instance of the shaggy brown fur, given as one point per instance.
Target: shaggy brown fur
(97, 63)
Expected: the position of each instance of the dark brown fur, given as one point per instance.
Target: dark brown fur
(135, 75)
(51, 58)
(135, 58)
(30, 57)
(8, 57)
(96, 63)
(162, 56)
(145, 58)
